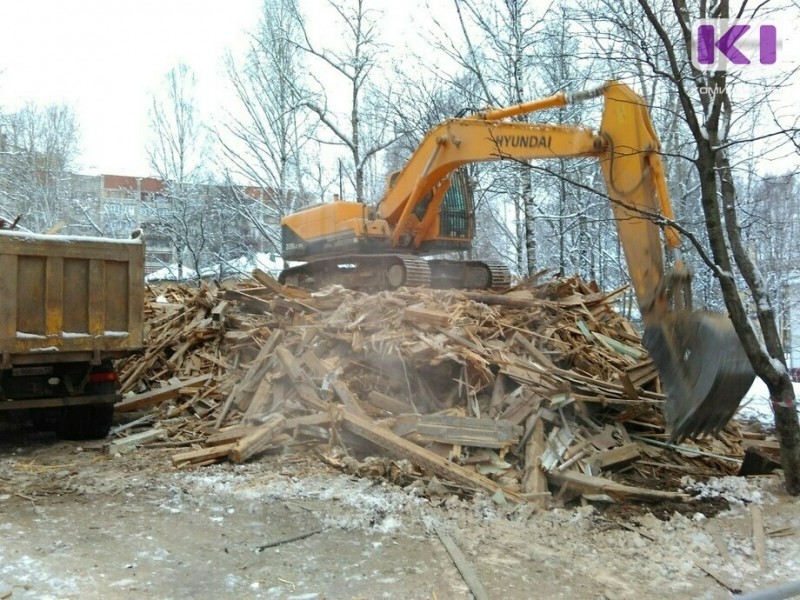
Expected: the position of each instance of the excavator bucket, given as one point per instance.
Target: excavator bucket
(704, 370)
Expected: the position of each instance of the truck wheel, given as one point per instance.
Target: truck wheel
(88, 422)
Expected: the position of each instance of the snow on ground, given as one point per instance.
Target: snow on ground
(756, 405)
(172, 273)
(244, 265)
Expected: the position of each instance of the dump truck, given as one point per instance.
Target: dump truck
(69, 306)
(426, 209)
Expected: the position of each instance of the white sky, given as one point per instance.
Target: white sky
(106, 57)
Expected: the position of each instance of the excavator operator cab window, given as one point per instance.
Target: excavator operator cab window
(456, 213)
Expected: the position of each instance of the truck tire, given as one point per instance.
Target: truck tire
(87, 422)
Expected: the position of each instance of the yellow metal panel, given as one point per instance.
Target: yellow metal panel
(54, 295)
(97, 297)
(8, 296)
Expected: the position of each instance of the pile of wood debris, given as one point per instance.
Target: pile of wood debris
(539, 394)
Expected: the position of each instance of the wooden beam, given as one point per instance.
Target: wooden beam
(425, 458)
(462, 564)
(617, 491)
(257, 440)
(468, 431)
(202, 455)
(534, 479)
(618, 456)
(158, 395)
(426, 316)
(389, 404)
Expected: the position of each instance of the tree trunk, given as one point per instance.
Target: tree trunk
(709, 128)
(530, 219)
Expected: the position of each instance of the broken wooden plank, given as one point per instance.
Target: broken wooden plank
(467, 431)
(618, 456)
(256, 372)
(344, 394)
(259, 403)
(229, 435)
(388, 403)
(462, 564)
(289, 291)
(425, 458)
(218, 312)
(618, 491)
(247, 302)
(534, 479)
(158, 395)
(202, 455)
(257, 440)
(426, 316)
(130, 442)
(759, 539)
(305, 389)
(718, 577)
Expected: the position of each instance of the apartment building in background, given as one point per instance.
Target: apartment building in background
(118, 205)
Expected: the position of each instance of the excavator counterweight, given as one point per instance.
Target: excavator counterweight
(427, 210)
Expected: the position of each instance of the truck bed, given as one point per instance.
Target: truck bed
(65, 298)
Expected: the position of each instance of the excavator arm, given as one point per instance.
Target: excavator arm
(701, 362)
(626, 146)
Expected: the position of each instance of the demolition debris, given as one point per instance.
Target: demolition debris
(542, 394)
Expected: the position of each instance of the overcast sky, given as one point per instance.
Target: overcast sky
(106, 57)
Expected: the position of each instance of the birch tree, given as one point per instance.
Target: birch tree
(177, 153)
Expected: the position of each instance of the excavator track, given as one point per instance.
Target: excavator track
(469, 274)
(361, 272)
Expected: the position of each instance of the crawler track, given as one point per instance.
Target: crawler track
(377, 272)
(361, 272)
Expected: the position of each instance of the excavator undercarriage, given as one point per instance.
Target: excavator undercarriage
(375, 272)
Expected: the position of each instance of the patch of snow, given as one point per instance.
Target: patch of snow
(21, 335)
(756, 405)
(380, 508)
(27, 236)
(172, 273)
(736, 490)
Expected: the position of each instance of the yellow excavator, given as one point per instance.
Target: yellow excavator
(427, 210)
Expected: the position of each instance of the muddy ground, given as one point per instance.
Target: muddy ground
(78, 523)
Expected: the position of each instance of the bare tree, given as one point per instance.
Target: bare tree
(267, 131)
(367, 129)
(38, 145)
(177, 153)
(709, 110)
